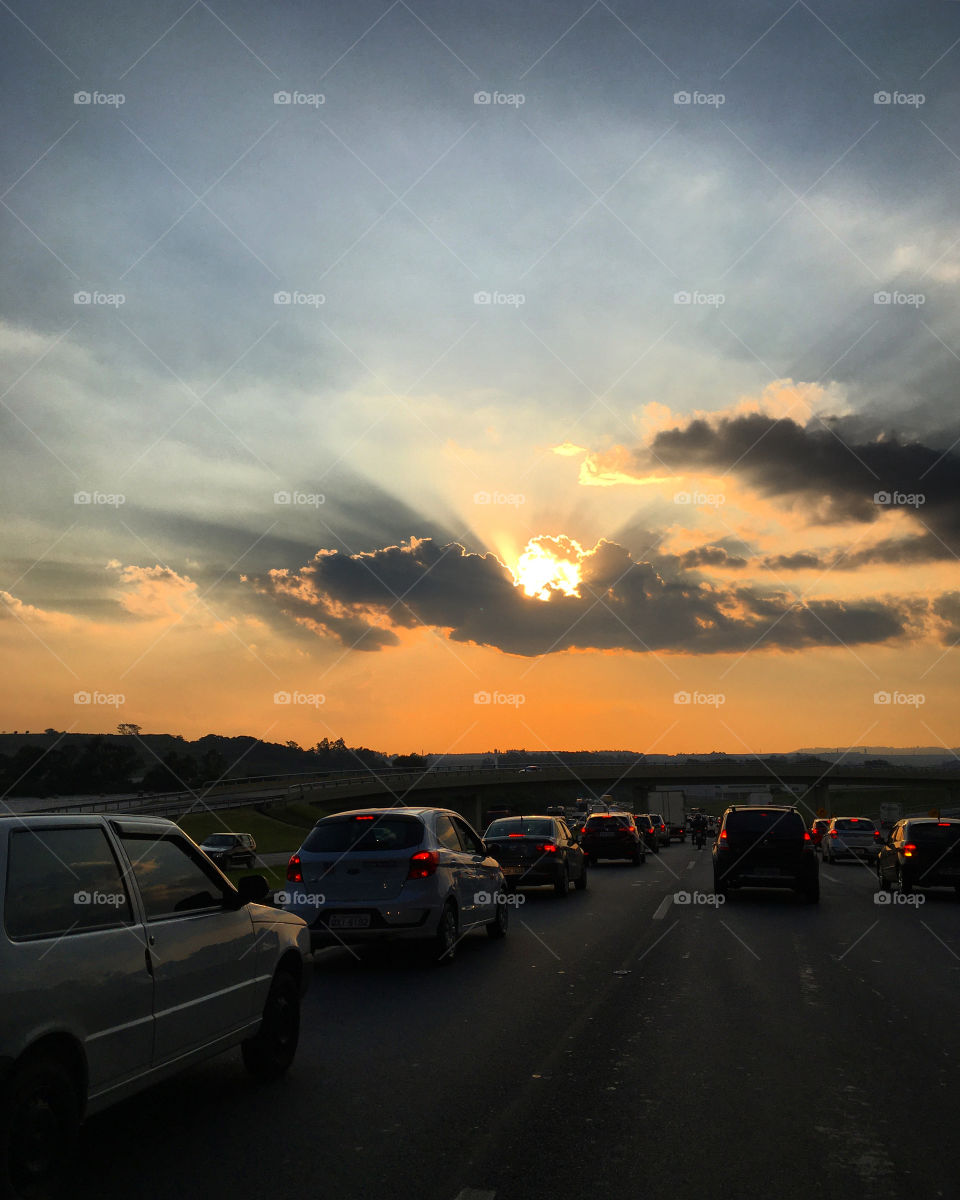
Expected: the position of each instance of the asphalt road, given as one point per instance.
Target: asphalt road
(617, 1044)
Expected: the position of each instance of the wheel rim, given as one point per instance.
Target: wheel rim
(283, 1023)
(448, 933)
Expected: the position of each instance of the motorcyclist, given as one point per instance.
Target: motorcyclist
(698, 829)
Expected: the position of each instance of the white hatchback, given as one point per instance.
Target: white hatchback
(383, 873)
(125, 957)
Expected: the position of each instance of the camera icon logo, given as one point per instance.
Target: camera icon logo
(681, 697)
(81, 897)
(882, 297)
(482, 297)
(82, 498)
(482, 898)
(881, 697)
(681, 97)
(81, 697)
(281, 898)
(882, 497)
(82, 298)
(281, 497)
(281, 697)
(681, 297)
(482, 697)
(881, 97)
(81, 97)
(281, 297)
(282, 98)
(681, 897)
(481, 97)
(881, 897)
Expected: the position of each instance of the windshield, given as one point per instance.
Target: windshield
(520, 827)
(364, 832)
(219, 841)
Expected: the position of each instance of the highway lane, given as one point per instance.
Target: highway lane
(616, 1042)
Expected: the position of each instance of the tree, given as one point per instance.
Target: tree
(127, 729)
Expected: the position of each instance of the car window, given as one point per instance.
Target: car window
(521, 826)
(63, 881)
(446, 834)
(935, 835)
(171, 881)
(857, 824)
(364, 832)
(758, 821)
(468, 839)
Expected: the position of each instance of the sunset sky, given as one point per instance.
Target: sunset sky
(448, 376)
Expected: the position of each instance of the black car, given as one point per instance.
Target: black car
(230, 850)
(765, 846)
(612, 835)
(649, 832)
(537, 850)
(660, 828)
(920, 852)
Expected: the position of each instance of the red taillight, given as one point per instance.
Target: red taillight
(943, 824)
(516, 835)
(663, 826)
(545, 848)
(423, 864)
(833, 833)
(876, 836)
(908, 850)
(584, 830)
(294, 872)
(365, 817)
(806, 836)
(723, 835)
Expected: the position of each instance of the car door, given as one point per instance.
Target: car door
(486, 871)
(78, 949)
(571, 851)
(465, 880)
(201, 947)
(889, 854)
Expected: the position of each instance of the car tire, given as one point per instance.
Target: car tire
(445, 939)
(904, 886)
(39, 1122)
(561, 885)
(271, 1050)
(581, 883)
(498, 927)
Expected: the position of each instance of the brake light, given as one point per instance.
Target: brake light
(876, 835)
(514, 835)
(365, 817)
(423, 864)
(943, 824)
(584, 829)
(806, 836)
(908, 850)
(833, 833)
(294, 870)
(546, 848)
(723, 835)
(663, 826)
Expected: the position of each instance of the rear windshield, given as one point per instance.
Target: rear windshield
(779, 824)
(614, 821)
(376, 831)
(528, 827)
(855, 823)
(934, 835)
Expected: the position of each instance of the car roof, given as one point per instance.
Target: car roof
(128, 822)
(931, 821)
(393, 808)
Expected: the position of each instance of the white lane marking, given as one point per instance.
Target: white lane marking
(474, 1194)
(665, 905)
(691, 865)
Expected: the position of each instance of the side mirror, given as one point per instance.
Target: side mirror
(252, 889)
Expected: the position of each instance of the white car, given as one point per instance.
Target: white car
(375, 874)
(125, 957)
(850, 837)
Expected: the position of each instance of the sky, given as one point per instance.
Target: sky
(441, 377)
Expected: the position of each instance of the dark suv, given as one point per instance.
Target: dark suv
(612, 835)
(765, 846)
(229, 850)
(649, 832)
(660, 828)
(924, 852)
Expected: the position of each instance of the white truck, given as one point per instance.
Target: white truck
(670, 805)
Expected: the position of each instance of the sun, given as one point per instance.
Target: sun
(549, 565)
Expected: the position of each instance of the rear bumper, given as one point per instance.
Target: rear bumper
(383, 925)
(598, 850)
(745, 874)
(531, 876)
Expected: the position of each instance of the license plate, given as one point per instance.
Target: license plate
(360, 921)
(512, 870)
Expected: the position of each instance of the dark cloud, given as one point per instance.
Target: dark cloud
(711, 556)
(361, 599)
